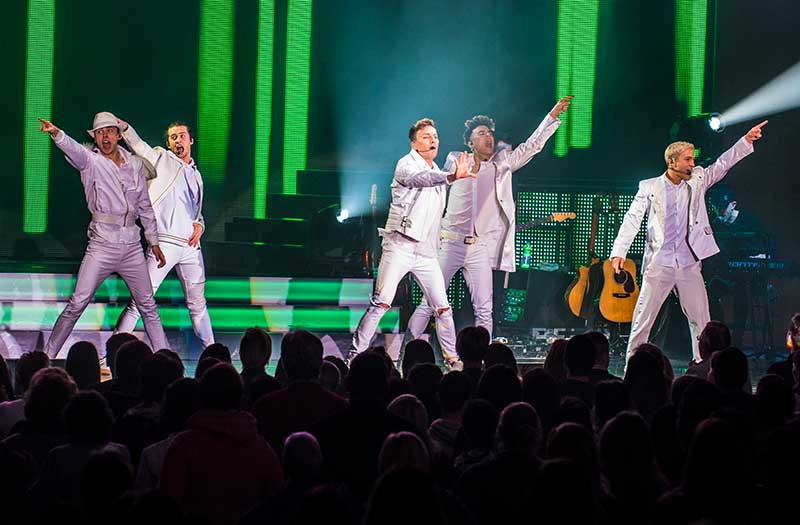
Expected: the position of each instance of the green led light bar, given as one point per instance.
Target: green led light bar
(38, 103)
(575, 71)
(252, 291)
(690, 53)
(298, 72)
(214, 86)
(101, 316)
(263, 110)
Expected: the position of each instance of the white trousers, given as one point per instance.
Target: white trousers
(188, 264)
(99, 262)
(475, 260)
(397, 260)
(657, 283)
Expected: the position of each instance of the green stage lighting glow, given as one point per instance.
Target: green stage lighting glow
(214, 86)
(690, 53)
(575, 71)
(263, 112)
(298, 72)
(38, 103)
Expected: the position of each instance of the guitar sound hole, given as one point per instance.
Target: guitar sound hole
(621, 277)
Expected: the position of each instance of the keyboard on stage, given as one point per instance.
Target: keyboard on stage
(753, 264)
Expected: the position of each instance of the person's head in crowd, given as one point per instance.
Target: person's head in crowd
(88, 419)
(626, 450)
(367, 379)
(601, 347)
(112, 347)
(397, 387)
(714, 337)
(416, 352)
(542, 392)
(404, 485)
(388, 362)
(181, 400)
(793, 333)
(255, 349)
(27, 365)
(648, 386)
(423, 382)
(411, 409)
(579, 357)
(83, 365)
(500, 354)
(221, 388)
(172, 355)
(554, 362)
(6, 387)
(472, 345)
(610, 398)
(479, 423)
(341, 365)
(519, 430)
(403, 449)
(499, 385)
(49, 392)
(774, 401)
(129, 364)
(577, 443)
(455, 389)
(661, 357)
(329, 376)
(573, 410)
(729, 370)
(203, 365)
(301, 353)
(106, 476)
(157, 372)
(699, 401)
(679, 386)
(301, 458)
(218, 350)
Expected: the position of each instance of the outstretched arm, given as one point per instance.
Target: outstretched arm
(76, 154)
(737, 152)
(412, 177)
(525, 151)
(140, 147)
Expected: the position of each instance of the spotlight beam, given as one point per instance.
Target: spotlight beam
(782, 93)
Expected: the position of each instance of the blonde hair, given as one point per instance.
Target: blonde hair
(674, 149)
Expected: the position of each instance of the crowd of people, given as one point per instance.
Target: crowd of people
(373, 441)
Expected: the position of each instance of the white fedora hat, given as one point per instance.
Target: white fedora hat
(103, 119)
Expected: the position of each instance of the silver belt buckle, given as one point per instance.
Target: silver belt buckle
(470, 239)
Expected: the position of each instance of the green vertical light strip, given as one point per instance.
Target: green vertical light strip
(690, 53)
(38, 103)
(575, 71)
(298, 72)
(263, 111)
(214, 86)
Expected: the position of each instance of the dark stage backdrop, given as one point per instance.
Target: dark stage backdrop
(376, 67)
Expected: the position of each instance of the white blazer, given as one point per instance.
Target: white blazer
(650, 200)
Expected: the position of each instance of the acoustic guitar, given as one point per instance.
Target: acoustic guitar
(581, 291)
(620, 291)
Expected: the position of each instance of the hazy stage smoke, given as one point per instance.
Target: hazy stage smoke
(779, 94)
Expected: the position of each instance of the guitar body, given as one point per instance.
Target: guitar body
(620, 292)
(579, 293)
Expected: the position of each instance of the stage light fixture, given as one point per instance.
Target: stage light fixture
(715, 123)
(343, 215)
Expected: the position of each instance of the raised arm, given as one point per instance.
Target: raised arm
(523, 153)
(136, 143)
(77, 155)
(743, 147)
(412, 177)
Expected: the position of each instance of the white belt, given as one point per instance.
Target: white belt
(466, 239)
(106, 218)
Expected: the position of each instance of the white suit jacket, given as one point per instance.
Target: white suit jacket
(650, 200)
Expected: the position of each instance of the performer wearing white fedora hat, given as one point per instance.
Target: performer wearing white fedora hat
(116, 194)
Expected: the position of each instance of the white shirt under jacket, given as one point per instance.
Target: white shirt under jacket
(651, 199)
(493, 216)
